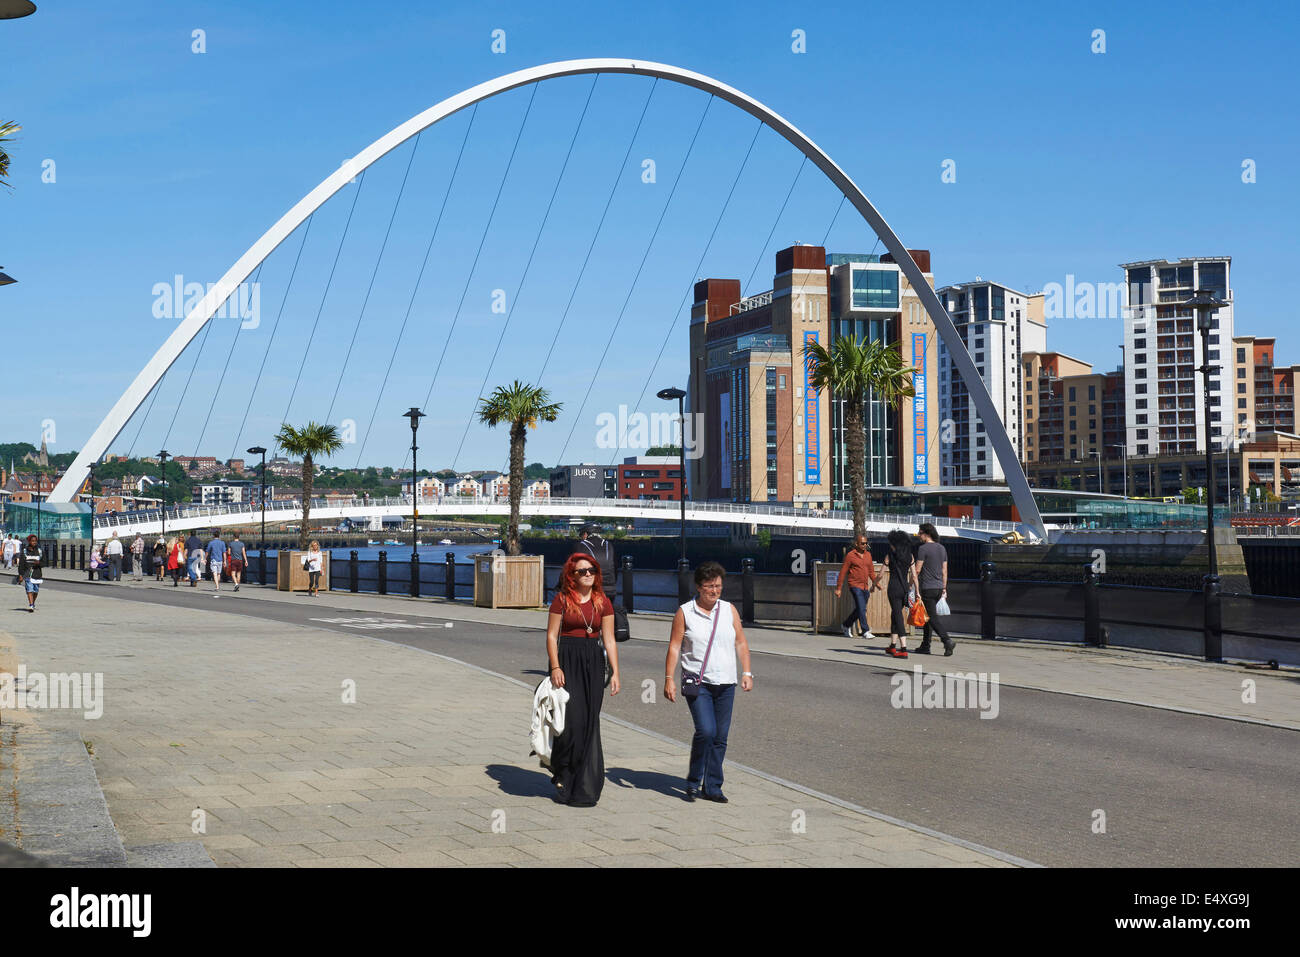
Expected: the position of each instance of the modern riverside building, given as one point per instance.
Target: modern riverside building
(1072, 413)
(765, 434)
(997, 325)
(1164, 412)
(1263, 394)
(584, 481)
(650, 476)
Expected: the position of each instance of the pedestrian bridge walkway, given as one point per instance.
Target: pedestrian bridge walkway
(364, 511)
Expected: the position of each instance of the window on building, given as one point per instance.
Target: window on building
(1073, 407)
(1241, 355)
(1214, 353)
(1141, 419)
(1241, 403)
(1139, 343)
(1092, 423)
(1072, 390)
(1140, 403)
(1139, 357)
(1241, 387)
(979, 456)
(1140, 389)
(1139, 373)
(1142, 450)
(780, 381)
(1241, 417)
(875, 289)
(1142, 434)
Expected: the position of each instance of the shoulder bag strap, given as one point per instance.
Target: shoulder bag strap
(717, 613)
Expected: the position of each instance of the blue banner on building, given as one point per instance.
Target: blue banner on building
(920, 457)
(812, 456)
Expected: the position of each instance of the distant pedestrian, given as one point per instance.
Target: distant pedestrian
(707, 636)
(29, 570)
(97, 563)
(196, 557)
(175, 560)
(137, 556)
(216, 558)
(113, 554)
(932, 584)
(238, 557)
(598, 547)
(858, 572)
(11, 548)
(313, 563)
(902, 576)
(160, 557)
(581, 621)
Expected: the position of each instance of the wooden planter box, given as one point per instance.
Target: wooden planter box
(504, 581)
(829, 612)
(291, 577)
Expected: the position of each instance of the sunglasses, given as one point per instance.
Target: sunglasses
(584, 571)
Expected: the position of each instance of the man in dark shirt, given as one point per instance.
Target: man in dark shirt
(932, 580)
(194, 554)
(591, 543)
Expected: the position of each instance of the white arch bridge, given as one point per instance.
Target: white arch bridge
(186, 517)
(126, 406)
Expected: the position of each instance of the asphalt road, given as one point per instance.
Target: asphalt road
(1175, 789)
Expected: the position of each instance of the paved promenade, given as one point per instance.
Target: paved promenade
(282, 745)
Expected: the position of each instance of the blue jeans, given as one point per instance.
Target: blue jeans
(711, 712)
(859, 612)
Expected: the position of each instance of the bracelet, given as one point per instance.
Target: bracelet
(747, 674)
(556, 668)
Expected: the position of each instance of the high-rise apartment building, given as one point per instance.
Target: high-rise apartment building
(1263, 394)
(766, 434)
(996, 324)
(1071, 412)
(1164, 411)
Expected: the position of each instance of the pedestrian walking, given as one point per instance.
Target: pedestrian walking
(175, 560)
(29, 570)
(238, 557)
(216, 558)
(902, 577)
(859, 573)
(113, 554)
(932, 584)
(598, 547)
(313, 563)
(137, 556)
(581, 621)
(708, 639)
(160, 557)
(196, 557)
(11, 548)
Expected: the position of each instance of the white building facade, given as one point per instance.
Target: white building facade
(997, 325)
(1164, 412)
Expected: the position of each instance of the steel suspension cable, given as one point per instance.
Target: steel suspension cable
(325, 295)
(373, 273)
(207, 331)
(252, 393)
(383, 385)
(632, 288)
(239, 327)
(613, 187)
(749, 283)
(718, 222)
(527, 266)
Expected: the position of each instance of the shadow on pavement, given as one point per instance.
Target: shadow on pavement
(520, 782)
(669, 784)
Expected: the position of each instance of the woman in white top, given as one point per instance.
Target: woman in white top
(708, 638)
(314, 562)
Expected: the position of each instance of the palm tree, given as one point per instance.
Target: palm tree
(7, 131)
(854, 370)
(311, 440)
(522, 406)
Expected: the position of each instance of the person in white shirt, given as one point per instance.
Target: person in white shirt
(10, 550)
(707, 636)
(113, 552)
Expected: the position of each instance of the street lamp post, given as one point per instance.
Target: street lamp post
(1101, 486)
(90, 488)
(1123, 452)
(162, 467)
(1205, 304)
(680, 396)
(415, 415)
(261, 544)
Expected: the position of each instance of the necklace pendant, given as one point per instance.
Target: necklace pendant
(589, 629)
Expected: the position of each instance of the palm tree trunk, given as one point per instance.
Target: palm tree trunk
(855, 440)
(518, 436)
(304, 532)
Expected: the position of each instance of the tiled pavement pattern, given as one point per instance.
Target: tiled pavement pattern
(244, 720)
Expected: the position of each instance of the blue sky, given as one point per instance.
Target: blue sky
(169, 162)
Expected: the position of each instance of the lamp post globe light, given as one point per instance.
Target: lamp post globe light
(1205, 304)
(261, 544)
(415, 415)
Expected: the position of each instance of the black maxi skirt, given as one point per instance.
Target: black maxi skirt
(577, 760)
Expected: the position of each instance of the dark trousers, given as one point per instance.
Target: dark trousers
(930, 596)
(897, 602)
(115, 568)
(711, 712)
(859, 612)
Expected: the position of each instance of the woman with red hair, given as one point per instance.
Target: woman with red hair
(581, 620)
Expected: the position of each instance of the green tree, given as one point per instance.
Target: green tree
(521, 406)
(310, 441)
(7, 131)
(858, 370)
